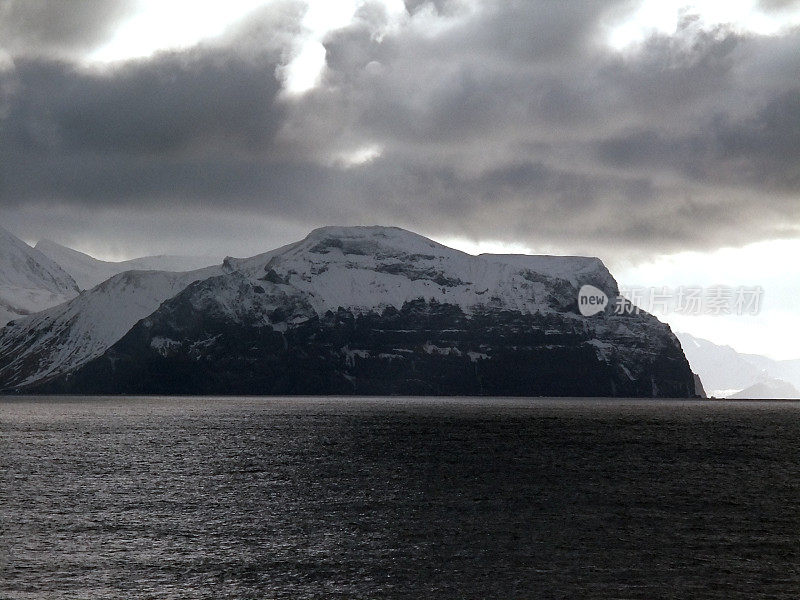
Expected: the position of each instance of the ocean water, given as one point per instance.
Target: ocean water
(398, 498)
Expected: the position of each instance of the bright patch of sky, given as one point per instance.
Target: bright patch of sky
(306, 68)
(304, 71)
(773, 332)
(158, 25)
(358, 156)
(476, 247)
(653, 17)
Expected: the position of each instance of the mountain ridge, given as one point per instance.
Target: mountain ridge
(63, 337)
(364, 310)
(29, 280)
(88, 271)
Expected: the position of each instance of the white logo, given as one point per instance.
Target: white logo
(591, 300)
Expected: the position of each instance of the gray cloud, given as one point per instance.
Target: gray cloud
(145, 130)
(778, 5)
(440, 6)
(57, 28)
(759, 152)
(160, 107)
(510, 122)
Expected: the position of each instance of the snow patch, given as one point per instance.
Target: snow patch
(351, 354)
(165, 346)
(430, 348)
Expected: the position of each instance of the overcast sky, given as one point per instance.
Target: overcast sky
(652, 134)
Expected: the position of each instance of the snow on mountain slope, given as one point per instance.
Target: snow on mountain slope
(364, 268)
(786, 370)
(768, 389)
(88, 271)
(29, 280)
(725, 372)
(66, 336)
(721, 368)
(575, 269)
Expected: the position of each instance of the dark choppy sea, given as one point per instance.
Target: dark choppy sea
(398, 498)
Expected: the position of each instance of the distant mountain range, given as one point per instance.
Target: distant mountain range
(88, 271)
(33, 279)
(728, 373)
(347, 310)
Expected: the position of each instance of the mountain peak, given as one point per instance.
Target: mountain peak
(29, 280)
(46, 243)
(369, 239)
(367, 267)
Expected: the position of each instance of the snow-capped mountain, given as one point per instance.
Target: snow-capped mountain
(364, 310)
(726, 372)
(367, 268)
(62, 338)
(29, 280)
(88, 271)
(784, 370)
(768, 389)
(723, 370)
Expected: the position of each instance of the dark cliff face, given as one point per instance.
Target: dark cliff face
(195, 345)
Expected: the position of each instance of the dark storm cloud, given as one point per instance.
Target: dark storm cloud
(762, 151)
(688, 140)
(167, 105)
(64, 26)
(142, 130)
(512, 120)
